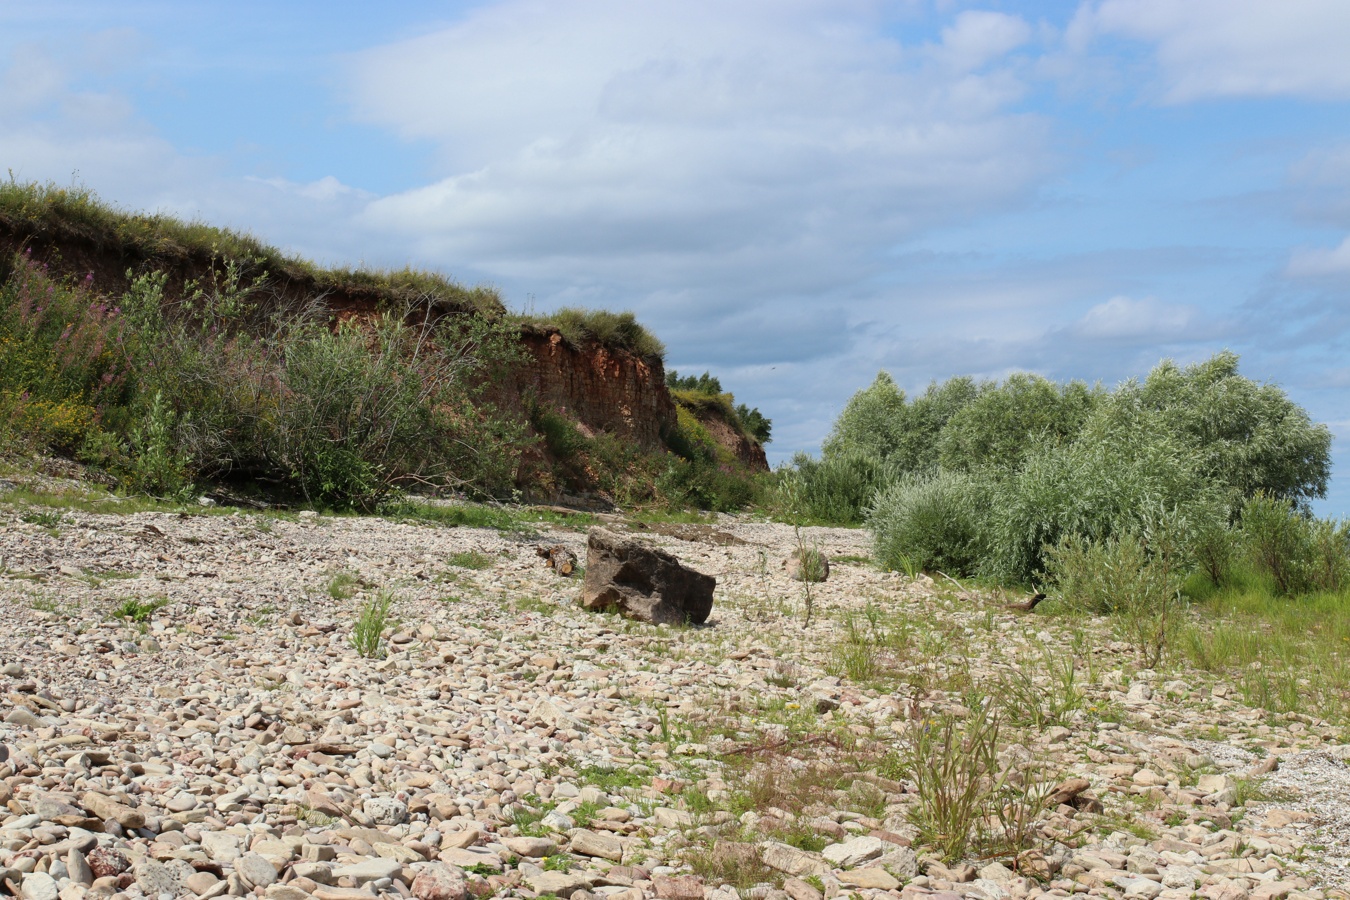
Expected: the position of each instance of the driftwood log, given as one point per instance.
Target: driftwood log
(558, 558)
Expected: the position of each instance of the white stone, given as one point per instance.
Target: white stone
(850, 854)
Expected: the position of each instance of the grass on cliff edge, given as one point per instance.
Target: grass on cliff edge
(610, 329)
(77, 213)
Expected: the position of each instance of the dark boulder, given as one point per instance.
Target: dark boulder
(643, 583)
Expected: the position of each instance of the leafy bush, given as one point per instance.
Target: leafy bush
(1003, 424)
(1277, 539)
(1111, 480)
(560, 434)
(1136, 575)
(365, 408)
(1329, 557)
(706, 485)
(936, 522)
(1247, 436)
(835, 490)
(1298, 553)
(1214, 546)
(871, 425)
(156, 463)
(755, 423)
(917, 448)
(61, 363)
(706, 383)
(163, 393)
(703, 475)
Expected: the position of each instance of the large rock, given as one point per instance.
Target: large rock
(643, 583)
(807, 564)
(853, 853)
(605, 846)
(440, 882)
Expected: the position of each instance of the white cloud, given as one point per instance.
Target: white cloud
(977, 37)
(1231, 48)
(53, 130)
(741, 148)
(1319, 262)
(1123, 318)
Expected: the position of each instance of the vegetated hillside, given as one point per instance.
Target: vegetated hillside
(222, 359)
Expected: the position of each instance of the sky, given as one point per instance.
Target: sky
(792, 194)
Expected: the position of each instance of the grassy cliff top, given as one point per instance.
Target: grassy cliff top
(79, 225)
(76, 219)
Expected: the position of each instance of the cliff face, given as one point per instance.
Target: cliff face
(604, 390)
(750, 454)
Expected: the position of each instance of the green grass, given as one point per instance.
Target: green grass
(342, 585)
(525, 819)
(614, 330)
(609, 780)
(1285, 654)
(90, 499)
(533, 604)
(469, 559)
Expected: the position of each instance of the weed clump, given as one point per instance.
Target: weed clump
(375, 616)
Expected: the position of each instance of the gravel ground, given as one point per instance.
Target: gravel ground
(227, 738)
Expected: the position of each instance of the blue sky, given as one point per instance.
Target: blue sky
(793, 194)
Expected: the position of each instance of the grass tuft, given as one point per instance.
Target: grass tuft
(375, 616)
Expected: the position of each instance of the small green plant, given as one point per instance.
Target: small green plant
(525, 819)
(342, 585)
(1041, 691)
(558, 862)
(264, 615)
(375, 616)
(663, 723)
(469, 559)
(858, 661)
(813, 566)
(137, 610)
(43, 518)
(1254, 789)
(534, 605)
